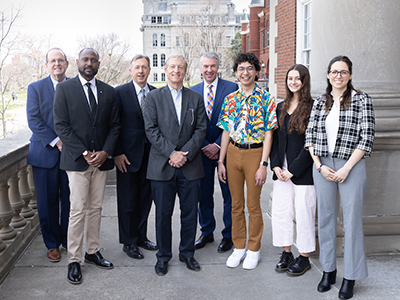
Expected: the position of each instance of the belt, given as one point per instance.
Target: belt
(246, 146)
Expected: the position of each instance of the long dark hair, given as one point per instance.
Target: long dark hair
(301, 114)
(346, 102)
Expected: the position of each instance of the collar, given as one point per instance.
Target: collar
(84, 81)
(138, 88)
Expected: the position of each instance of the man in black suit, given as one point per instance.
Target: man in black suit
(131, 157)
(176, 127)
(87, 121)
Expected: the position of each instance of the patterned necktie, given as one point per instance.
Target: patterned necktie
(210, 102)
(142, 100)
(92, 99)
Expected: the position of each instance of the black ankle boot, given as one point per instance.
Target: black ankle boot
(328, 278)
(346, 290)
(286, 261)
(300, 266)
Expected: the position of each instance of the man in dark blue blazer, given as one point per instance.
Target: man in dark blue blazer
(51, 183)
(131, 157)
(213, 90)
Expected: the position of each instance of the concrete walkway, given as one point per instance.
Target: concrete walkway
(33, 277)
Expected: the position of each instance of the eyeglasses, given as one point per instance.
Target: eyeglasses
(343, 73)
(249, 69)
(60, 61)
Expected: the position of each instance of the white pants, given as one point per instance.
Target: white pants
(287, 200)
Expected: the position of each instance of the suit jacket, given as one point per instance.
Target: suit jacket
(224, 88)
(299, 160)
(79, 130)
(39, 111)
(166, 134)
(132, 138)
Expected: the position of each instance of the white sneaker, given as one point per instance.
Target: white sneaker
(235, 258)
(251, 260)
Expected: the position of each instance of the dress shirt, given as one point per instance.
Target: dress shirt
(138, 90)
(92, 86)
(248, 117)
(332, 126)
(356, 127)
(177, 97)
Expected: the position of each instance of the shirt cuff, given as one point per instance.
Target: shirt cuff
(54, 142)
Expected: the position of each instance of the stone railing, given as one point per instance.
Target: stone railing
(19, 222)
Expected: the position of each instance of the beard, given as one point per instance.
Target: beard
(92, 72)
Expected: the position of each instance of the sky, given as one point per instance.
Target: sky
(66, 21)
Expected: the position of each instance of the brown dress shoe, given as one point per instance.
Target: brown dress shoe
(53, 255)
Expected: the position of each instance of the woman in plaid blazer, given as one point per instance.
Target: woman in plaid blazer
(339, 136)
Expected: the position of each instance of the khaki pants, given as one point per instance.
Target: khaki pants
(87, 193)
(242, 165)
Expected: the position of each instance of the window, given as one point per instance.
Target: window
(186, 39)
(153, 20)
(155, 60)
(162, 76)
(262, 39)
(162, 5)
(154, 39)
(155, 77)
(267, 38)
(150, 7)
(306, 34)
(162, 60)
(162, 40)
(159, 20)
(177, 41)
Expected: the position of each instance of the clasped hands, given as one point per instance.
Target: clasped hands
(96, 159)
(332, 175)
(178, 159)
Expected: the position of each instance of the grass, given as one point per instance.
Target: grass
(20, 102)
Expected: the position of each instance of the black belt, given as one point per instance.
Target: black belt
(246, 146)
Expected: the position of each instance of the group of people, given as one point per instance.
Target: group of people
(170, 141)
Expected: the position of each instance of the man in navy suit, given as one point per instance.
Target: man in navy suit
(213, 90)
(131, 157)
(51, 183)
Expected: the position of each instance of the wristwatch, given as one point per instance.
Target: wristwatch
(85, 153)
(264, 163)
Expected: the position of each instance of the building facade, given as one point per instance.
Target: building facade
(190, 28)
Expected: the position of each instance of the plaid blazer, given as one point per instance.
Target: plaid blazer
(356, 127)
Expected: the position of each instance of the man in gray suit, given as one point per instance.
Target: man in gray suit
(175, 125)
(87, 121)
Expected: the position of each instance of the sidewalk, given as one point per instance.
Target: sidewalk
(34, 277)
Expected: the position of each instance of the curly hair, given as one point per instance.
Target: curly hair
(246, 57)
(347, 93)
(301, 114)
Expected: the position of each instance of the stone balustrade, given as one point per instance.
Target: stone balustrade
(19, 222)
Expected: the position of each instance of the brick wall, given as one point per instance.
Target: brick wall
(285, 42)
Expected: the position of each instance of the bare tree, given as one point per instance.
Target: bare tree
(114, 65)
(8, 40)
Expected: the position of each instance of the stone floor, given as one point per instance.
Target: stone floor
(33, 277)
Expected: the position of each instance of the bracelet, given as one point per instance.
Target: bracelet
(319, 169)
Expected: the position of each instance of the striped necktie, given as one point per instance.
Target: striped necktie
(210, 102)
(142, 100)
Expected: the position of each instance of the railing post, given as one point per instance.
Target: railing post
(31, 183)
(7, 232)
(2, 244)
(26, 193)
(16, 202)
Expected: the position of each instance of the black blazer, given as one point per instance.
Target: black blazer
(79, 130)
(132, 138)
(298, 158)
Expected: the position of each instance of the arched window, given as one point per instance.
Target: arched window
(154, 39)
(155, 77)
(162, 60)
(162, 76)
(162, 40)
(155, 60)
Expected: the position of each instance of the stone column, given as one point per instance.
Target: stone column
(368, 33)
(16, 202)
(26, 193)
(31, 183)
(7, 232)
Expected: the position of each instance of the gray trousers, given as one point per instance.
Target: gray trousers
(352, 193)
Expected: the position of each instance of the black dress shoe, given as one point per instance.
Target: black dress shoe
(191, 263)
(285, 262)
(300, 266)
(133, 251)
(98, 260)
(148, 245)
(328, 278)
(346, 290)
(203, 240)
(225, 245)
(161, 267)
(74, 273)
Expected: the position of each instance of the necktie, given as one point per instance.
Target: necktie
(92, 99)
(210, 102)
(142, 100)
